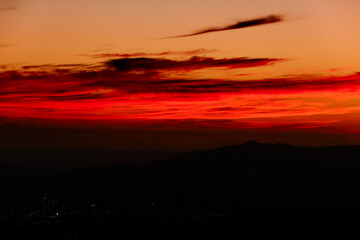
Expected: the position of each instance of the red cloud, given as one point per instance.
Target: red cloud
(129, 92)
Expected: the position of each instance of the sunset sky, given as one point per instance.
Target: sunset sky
(172, 74)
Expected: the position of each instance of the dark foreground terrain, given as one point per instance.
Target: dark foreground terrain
(253, 189)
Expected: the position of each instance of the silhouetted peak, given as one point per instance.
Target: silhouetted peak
(253, 143)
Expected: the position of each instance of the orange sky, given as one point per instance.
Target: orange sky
(83, 60)
(317, 35)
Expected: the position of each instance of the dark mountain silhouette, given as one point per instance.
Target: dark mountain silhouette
(253, 188)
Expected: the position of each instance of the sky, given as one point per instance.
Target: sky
(169, 74)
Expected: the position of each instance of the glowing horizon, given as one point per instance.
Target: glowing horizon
(108, 62)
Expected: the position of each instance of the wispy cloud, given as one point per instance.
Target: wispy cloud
(2, 9)
(5, 45)
(147, 54)
(8, 5)
(140, 76)
(242, 24)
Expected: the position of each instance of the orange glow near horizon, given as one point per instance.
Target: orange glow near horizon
(108, 61)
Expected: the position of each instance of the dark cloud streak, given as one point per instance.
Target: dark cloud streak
(194, 63)
(243, 24)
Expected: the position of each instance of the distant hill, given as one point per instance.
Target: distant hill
(251, 188)
(222, 164)
(260, 155)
